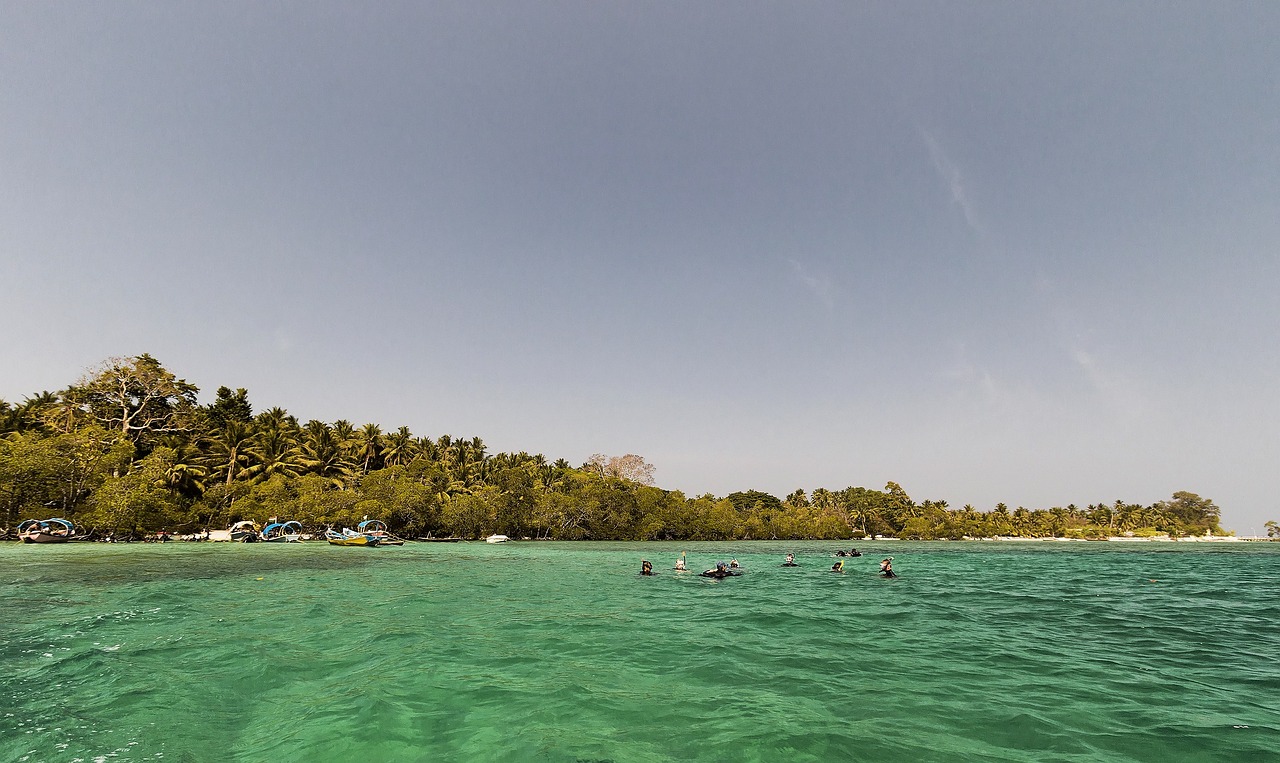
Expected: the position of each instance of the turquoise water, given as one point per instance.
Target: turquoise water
(562, 652)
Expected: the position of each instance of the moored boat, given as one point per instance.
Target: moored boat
(245, 531)
(282, 532)
(376, 528)
(496, 539)
(56, 530)
(350, 538)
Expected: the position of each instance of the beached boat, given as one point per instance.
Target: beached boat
(282, 532)
(349, 538)
(245, 531)
(56, 530)
(496, 539)
(376, 528)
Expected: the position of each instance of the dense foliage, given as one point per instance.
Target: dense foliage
(128, 450)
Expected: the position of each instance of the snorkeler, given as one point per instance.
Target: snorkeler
(680, 563)
(886, 568)
(733, 563)
(838, 567)
(791, 561)
(646, 567)
(721, 571)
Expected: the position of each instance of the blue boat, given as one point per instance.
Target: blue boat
(56, 530)
(282, 532)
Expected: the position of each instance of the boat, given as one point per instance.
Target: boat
(245, 531)
(56, 530)
(378, 529)
(282, 532)
(350, 538)
(496, 539)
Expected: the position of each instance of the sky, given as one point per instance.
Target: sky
(994, 252)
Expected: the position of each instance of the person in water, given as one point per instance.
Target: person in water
(886, 568)
(838, 567)
(721, 571)
(680, 562)
(733, 563)
(646, 567)
(791, 561)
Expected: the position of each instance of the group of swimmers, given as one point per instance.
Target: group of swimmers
(731, 568)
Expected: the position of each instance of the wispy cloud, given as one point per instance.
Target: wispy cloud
(1117, 392)
(970, 375)
(819, 285)
(950, 174)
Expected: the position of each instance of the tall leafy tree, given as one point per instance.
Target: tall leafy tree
(229, 406)
(136, 397)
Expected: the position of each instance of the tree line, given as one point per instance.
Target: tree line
(128, 450)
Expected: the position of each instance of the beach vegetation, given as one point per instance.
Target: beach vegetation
(128, 451)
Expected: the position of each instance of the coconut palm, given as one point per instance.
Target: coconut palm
(229, 450)
(426, 448)
(273, 451)
(277, 418)
(399, 447)
(369, 446)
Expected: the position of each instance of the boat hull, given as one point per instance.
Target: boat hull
(370, 542)
(342, 539)
(44, 538)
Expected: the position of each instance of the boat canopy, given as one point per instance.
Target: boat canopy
(292, 523)
(245, 524)
(56, 524)
(269, 528)
(372, 526)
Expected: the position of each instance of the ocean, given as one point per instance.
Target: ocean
(539, 651)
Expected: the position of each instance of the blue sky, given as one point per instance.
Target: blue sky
(995, 252)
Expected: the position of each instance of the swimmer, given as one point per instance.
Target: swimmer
(646, 567)
(791, 561)
(838, 567)
(733, 563)
(680, 563)
(721, 571)
(854, 552)
(886, 568)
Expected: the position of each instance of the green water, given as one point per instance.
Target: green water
(562, 652)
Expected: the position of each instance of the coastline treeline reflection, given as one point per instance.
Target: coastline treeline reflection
(128, 451)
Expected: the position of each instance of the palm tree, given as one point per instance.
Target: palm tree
(276, 418)
(399, 448)
(229, 450)
(370, 445)
(323, 455)
(274, 452)
(426, 448)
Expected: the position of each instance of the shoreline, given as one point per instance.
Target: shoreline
(224, 536)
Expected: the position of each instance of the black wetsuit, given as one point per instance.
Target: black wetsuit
(720, 574)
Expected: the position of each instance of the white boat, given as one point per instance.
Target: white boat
(496, 539)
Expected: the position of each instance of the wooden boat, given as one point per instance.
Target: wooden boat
(378, 529)
(350, 538)
(282, 532)
(56, 530)
(245, 531)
